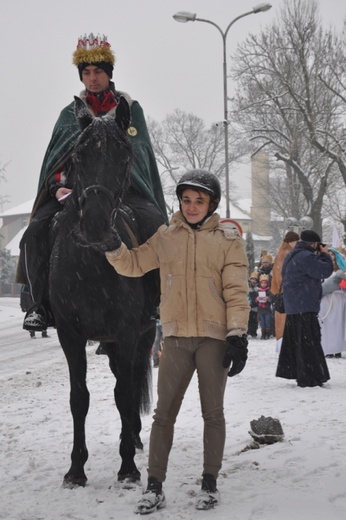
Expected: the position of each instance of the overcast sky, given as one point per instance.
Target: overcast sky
(163, 64)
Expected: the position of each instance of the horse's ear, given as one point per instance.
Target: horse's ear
(123, 113)
(82, 114)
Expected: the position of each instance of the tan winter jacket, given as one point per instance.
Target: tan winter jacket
(203, 277)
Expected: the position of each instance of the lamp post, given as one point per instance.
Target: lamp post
(183, 17)
(172, 168)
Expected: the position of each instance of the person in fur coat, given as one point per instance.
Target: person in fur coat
(290, 240)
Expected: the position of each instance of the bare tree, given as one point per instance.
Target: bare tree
(182, 142)
(285, 107)
(3, 198)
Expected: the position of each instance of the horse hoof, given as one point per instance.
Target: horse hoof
(71, 482)
(131, 478)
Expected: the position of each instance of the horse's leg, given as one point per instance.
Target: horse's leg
(79, 403)
(122, 360)
(122, 367)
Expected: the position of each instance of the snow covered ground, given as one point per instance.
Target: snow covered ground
(301, 478)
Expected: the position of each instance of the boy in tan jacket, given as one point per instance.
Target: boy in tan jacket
(204, 315)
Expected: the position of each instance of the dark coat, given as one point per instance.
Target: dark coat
(25, 298)
(301, 355)
(303, 272)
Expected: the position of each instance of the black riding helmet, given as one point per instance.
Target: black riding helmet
(204, 181)
(201, 180)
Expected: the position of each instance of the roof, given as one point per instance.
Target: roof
(23, 209)
(237, 211)
(13, 245)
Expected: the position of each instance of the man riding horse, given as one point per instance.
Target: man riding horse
(94, 60)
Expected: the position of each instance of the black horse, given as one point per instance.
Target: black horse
(88, 298)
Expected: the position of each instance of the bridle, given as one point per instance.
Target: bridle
(115, 201)
(96, 188)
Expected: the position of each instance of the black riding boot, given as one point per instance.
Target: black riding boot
(152, 499)
(209, 495)
(34, 262)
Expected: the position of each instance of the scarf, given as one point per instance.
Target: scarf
(101, 103)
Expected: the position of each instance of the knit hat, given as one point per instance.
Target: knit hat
(94, 50)
(267, 258)
(254, 275)
(308, 235)
(291, 236)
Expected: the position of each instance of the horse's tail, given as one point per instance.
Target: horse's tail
(146, 386)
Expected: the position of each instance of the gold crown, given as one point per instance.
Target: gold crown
(93, 49)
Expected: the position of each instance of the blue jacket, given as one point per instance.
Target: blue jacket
(303, 272)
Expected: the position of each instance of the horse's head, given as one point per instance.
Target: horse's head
(101, 163)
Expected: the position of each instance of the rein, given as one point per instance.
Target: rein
(95, 188)
(115, 204)
(115, 201)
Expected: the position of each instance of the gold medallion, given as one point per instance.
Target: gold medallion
(132, 131)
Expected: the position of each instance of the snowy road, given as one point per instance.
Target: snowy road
(18, 352)
(301, 478)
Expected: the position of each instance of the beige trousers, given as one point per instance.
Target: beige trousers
(180, 358)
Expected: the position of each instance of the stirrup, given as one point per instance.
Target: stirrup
(34, 321)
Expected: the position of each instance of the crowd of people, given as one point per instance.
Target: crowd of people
(261, 299)
(309, 279)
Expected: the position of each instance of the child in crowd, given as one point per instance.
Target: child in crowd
(252, 297)
(264, 300)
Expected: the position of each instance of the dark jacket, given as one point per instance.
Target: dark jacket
(303, 272)
(251, 296)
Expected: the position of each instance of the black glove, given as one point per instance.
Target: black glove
(112, 243)
(236, 354)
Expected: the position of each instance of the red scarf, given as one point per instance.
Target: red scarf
(101, 104)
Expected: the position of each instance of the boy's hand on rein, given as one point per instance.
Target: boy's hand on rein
(236, 354)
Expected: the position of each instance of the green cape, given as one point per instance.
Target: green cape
(145, 176)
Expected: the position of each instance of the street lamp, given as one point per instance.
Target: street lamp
(172, 168)
(183, 17)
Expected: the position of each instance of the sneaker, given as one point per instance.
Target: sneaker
(209, 496)
(152, 499)
(34, 321)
